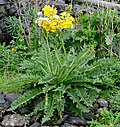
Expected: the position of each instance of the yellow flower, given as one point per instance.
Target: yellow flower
(52, 22)
(13, 49)
(49, 11)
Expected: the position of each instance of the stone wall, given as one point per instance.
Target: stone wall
(19, 7)
(7, 8)
(15, 8)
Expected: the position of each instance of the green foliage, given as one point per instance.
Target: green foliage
(54, 66)
(11, 57)
(106, 73)
(64, 80)
(108, 119)
(9, 88)
(115, 104)
(24, 30)
(26, 97)
(14, 26)
(53, 72)
(100, 29)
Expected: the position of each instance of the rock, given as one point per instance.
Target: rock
(24, 110)
(69, 125)
(102, 102)
(2, 12)
(7, 6)
(76, 121)
(12, 10)
(60, 4)
(37, 100)
(32, 119)
(2, 100)
(95, 107)
(36, 124)
(77, 10)
(3, 2)
(15, 120)
(89, 116)
(61, 121)
(10, 98)
(1, 118)
(2, 112)
(100, 110)
(7, 104)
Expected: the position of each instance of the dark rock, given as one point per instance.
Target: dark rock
(102, 102)
(69, 125)
(15, 120)
(77, 10)
(2, 113)
(61, 121)
(7, 104)
(36, 124)
(3, 2)
(2, 12)
(10, 98)
(76, 121)
(1, 118)
(89, 116)
(7, 6)
(32, 120)
(24, 110)
(12, 10)
(60, 4)
(100, 110)
(37, 100)
(94, 108)
(2, 100)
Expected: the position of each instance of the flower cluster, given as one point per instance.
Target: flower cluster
(53, 22)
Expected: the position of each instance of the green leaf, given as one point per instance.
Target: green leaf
(48, 88)
(83, 95)
(26, 97)
(59, 101)
(73, 96)
(38, 107)
(48, 109)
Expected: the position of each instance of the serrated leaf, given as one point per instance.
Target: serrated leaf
(73, 96)
(82, 94)
(26, 97)
(59, 101)
(48, 88)
(38, 107)
(48, 109)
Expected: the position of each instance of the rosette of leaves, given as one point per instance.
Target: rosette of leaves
(56, 77)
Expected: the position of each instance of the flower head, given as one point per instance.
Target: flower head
(49, 11)
(53, 22)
